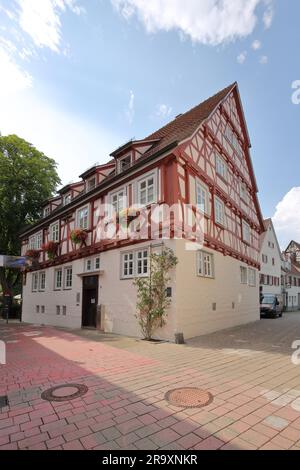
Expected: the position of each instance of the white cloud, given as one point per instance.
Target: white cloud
(207, 21)
(130, 110)
(41, 20)
(163, 111)
(286, 218)
(264, 60)
(242, 57)
(269, 14)
(12, 77)
(256, 45)
(74, 143)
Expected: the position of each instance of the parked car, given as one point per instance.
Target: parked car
(271, 305)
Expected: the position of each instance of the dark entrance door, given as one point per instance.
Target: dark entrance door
(89, 301)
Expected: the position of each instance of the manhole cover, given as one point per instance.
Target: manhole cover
(64, 392)
(189, 397)
(3, 401)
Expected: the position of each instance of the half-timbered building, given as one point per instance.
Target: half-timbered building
(200, 160)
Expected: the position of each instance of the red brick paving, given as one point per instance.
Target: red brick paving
(124, 407)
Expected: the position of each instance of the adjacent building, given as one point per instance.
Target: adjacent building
(200, 160)
(270, 260)
(291, 276)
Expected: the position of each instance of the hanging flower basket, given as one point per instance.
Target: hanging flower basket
(51, 249)
(78, 236)
(34, 254)
(129, 213)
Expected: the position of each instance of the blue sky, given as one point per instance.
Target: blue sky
(79, 78)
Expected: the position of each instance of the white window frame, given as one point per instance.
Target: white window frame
(244, 275)
(35, 241)
(58, 287)
(35, 282)
(132, 261)
(42, 276)
(218, 203)
(54, 230)
(142, 256)
(89, 261)
(97, 262)
(67, 199)
(89, 181)
(86, 219)
(205, 264)
(221, 166)
(121, 159)
(66, 269)
(202, 197)
(121, 195)
(47, 211)
(153, 175)
(251, 277)
(246, 232)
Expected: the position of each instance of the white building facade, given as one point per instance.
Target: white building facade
(271, 261)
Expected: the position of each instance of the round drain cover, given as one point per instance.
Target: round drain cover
(189, 397)
(64, 392)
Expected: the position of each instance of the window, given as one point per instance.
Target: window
(221, 167)
(37, 309)
(252, 277)
(35, 282)
(43, 309)
(64, 310)
(42, 281)
(67, 199)
(135, 263)
(142, 263)
(244, 192)
(244, 275)
(205, 264)
(54, 232)
(35, 241)
(46, 211)
(246, 232)
(89, 265)
(127, 265)
(82, 218)
(202, 198)
(97, 263)
(147, 190)
(264, 259)
(58, 279)
(273, 261)
(124, 163)
(118, 201)
(219, 211)
(91, 183)
(57, 309)
(68, 275)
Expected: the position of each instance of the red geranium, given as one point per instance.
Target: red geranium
(78, 236)
(51, 249)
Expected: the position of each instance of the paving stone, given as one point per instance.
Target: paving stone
(276, 422)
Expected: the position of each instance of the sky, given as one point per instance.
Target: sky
(79, 78)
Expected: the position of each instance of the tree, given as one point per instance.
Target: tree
(152, 300)
(27, 179)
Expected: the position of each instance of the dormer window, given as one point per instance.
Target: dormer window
(91, 183)
(67, 199)
(47, 211)
(124, 163)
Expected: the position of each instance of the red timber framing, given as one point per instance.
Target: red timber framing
(192, 159)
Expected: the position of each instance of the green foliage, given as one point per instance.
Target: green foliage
(152, 300)
(27, 179)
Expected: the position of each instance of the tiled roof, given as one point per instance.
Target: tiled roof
(186, 124)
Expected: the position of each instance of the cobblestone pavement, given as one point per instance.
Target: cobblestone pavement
(248, 369)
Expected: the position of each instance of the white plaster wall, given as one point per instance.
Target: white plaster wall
(195, 295)
(118, 297)
(51, 298)
(267, 268)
